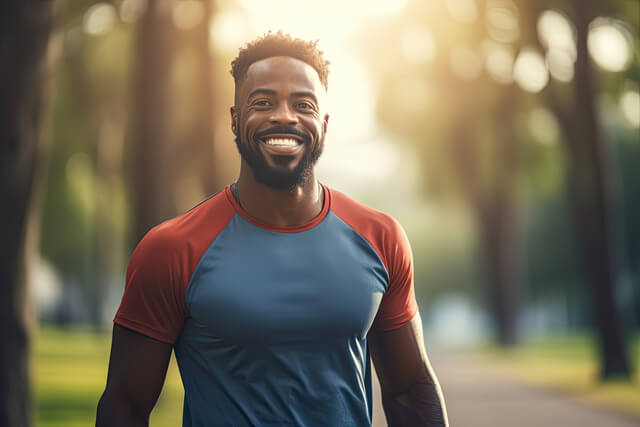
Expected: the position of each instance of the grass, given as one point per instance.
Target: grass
(70, 370)
(569, 364)
(69, 373)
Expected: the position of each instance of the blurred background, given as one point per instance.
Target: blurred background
(503, 135)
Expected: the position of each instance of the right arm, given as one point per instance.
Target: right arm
(137, 369)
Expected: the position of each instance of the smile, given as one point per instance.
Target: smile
(281, 142)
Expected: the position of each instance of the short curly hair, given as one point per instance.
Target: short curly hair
(280, 44)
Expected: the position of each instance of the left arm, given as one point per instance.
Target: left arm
(411, 395)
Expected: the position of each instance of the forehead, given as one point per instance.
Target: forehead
(281, 73)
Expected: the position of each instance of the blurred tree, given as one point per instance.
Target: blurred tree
(25, 27)
(200, 137)
(151, 118)
(469, 146)
(194, 167)
(590, 183)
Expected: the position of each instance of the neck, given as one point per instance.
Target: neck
(280, 208)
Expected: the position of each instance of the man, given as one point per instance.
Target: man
(273, 292)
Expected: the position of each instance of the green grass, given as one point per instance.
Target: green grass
(569, 364)
(70, 370)
(69, 373)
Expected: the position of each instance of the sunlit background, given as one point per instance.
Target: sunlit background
(474, 123)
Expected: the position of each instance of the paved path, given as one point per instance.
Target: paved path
(478, 396)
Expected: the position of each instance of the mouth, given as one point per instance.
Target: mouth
(282, 144)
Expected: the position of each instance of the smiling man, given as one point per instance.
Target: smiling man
(275, 292)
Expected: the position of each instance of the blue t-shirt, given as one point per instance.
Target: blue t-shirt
(269, 325)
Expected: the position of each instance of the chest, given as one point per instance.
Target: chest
(254, 283)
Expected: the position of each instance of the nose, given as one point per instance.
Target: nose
(283, 115)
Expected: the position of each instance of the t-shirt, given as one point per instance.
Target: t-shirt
(270, 324)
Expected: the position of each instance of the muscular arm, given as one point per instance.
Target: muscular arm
(137, 369)
(411, 395)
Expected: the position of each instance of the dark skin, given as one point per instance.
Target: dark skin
(277, 91)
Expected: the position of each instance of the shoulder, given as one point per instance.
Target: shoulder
(381, 230)
(364, 218)
(185, 236)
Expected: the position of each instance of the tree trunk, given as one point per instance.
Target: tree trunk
(203, 129)
(151, 125)
(24, 31)
(591, 193)
(491, 199)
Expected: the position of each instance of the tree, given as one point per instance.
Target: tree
(24, 32)
(151, 118)
(589, 180)
(590, 187)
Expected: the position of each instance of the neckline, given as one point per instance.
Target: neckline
(295, 229)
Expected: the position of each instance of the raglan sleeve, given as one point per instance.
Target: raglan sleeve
(398, 304)
(153, 301)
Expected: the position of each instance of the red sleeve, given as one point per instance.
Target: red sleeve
(399, 302)
(153, 302)
(162, 265)
(389, 240)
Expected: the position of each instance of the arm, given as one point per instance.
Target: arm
(137, 369)
(411, 395)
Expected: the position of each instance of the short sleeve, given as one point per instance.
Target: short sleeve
(153, 303)
(398, 304)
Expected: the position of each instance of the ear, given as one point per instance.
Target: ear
(234, 120)
(325, 123)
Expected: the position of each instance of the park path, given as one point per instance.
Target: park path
(477, 395)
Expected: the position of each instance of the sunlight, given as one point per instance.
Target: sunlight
(502, 20)
(462, 10)
(417, 45)
(610, 44)
(557, 35)
(630, 106)
(556, 32)
(187, 14)
(530, 71)
(99, 19)
(498, 61)
(349, 81)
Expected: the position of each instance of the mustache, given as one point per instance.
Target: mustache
(282, 130)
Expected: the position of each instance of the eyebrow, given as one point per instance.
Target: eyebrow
(261, 91)
(271, 92)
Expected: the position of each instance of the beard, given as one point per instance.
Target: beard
(280, 178)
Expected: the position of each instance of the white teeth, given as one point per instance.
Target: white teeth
(284, 142)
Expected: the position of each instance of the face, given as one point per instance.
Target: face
(277, 121)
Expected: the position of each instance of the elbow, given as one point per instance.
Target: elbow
(113, 411)
(420, 405)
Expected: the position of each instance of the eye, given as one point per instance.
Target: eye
(304, 105)
(262, 103)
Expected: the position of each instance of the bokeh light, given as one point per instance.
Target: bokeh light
(610, 44)
(498, 59)
(630, 107)
(502, 20)
(543, 125)
(530, 71)
(99, 19)
(132, 10)
(557, 35)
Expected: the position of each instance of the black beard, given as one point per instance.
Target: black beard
(276, 179)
